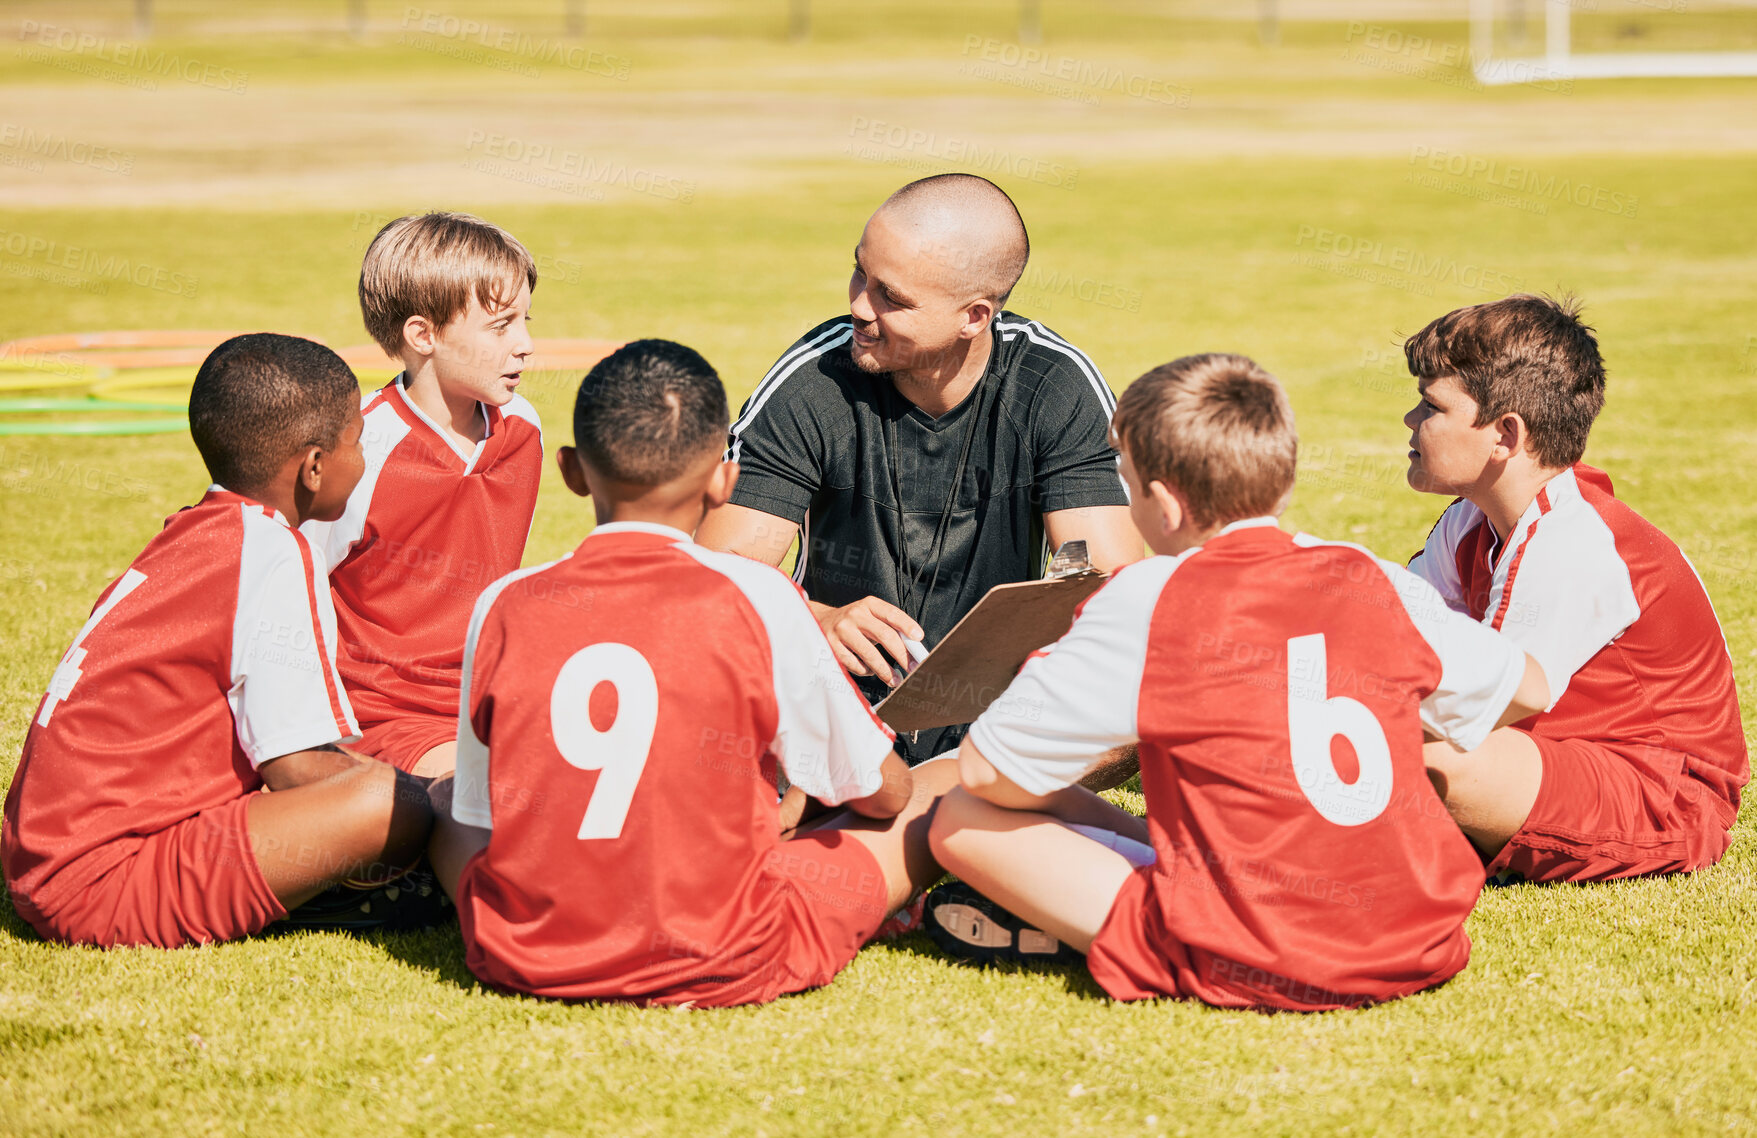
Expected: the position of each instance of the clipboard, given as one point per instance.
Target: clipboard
(978, 658)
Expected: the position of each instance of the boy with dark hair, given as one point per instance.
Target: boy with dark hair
(1635, 764)
(206, 674)
(453, 458)
(626, 711)
(1294, 854)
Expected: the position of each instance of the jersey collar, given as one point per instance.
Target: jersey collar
(1245, 523)
(468, 457)
(217, 490)
(641, 527)
(1224, 535)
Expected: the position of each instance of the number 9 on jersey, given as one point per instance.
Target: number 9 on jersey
(619, 752)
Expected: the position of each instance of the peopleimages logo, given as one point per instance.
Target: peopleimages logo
(1544, 187)
(147, 62)
(44, 251)
(570, 171)
(894, 144)
(1330, 247)
(442, 26)
(1065, 76)
(60, 148)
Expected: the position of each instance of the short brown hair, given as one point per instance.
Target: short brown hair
(430, 265)
(1526, 355)
(1218, 428)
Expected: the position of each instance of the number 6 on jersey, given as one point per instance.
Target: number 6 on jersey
(620, 751)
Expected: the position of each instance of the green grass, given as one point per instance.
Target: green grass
(1612, 1009)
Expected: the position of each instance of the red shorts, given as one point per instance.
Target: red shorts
(401, 742)
(196, 882)
(834, 894)
(1134, 957)
(1601, 814)
(1125, 961)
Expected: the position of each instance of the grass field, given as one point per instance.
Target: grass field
(1287, 208)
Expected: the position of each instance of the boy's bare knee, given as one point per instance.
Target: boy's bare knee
(953, 814)
(383, 800)
(936, 776)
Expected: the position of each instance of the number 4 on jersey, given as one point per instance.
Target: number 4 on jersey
(619, 752)
(1314, 719)
(67, 672)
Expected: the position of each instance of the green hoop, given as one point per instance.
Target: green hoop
(103, 427)
(92, 427)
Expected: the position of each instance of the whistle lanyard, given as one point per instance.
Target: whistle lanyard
(907, 576)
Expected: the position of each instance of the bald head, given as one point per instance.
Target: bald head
(968, 227)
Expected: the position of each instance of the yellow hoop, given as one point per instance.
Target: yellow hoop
(126, 384)
(44, 374)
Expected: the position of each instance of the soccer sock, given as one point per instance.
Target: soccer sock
(1138, 854)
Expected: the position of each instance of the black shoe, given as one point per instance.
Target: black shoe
(411, 900)
(968, 926)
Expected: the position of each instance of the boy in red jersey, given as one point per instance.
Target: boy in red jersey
(453, 458)
(1294, 854)
(1636, 763)
(205, 675)
(626, 711)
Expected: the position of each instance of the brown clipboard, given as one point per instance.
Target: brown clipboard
(972, 666)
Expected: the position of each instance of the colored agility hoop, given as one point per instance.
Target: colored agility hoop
(16, 406)
(116, 368)
(29, 374)
(91, 427)
(102, 427)
(133, 380)
(180, 379)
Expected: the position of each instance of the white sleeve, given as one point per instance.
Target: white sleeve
(335, 540)
(1480, 670)
(286, 695)
(827, 740)
(1572, 595)
(471, 796)
(520, 407)
(1079, 699)
(1437, 563)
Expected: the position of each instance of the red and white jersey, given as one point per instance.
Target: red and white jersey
(624, 712)
(429, 527)
(1278, 687)
(212, 654)
(1610, 607)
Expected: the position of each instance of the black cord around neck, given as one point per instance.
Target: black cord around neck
(906, 576)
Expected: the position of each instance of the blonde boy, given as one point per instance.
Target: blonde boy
(453, 459)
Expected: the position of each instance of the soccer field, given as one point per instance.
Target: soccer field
(1307, 204)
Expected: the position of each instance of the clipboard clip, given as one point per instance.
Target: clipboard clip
(1070, 560)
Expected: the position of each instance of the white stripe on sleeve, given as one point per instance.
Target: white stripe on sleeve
(286, 695)
(826, 341)
(471, 797)
(827, 740)
(1066, 708)
(1480, 670)
(1038, 334)
(384, 430)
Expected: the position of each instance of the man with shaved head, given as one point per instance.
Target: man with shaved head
(929, 444)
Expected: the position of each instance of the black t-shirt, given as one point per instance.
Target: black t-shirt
(824, 444)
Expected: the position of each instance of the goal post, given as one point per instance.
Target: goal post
(1691, 33)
